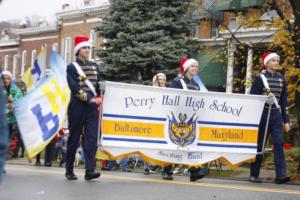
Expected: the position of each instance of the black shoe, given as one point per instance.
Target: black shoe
(282, 180)
(147, 172)
(38, 163)
(253, 179)
(91, 175)
(71, 176)
(167, 176)
(48, 164)
(196, 174)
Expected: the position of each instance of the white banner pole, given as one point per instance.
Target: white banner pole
(266, 131)
(102, 90)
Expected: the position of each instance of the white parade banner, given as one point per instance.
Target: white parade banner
(166, 125)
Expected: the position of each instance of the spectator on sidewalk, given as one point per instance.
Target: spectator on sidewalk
(11, 93)
(49, 153)
(3, 129)
(124, 165)
(20, 143)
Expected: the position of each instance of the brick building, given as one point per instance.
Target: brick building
(31, 42)
(73, 22)
(9, 50)
(20, 46)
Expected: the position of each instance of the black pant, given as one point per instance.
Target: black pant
(20, 144)
(11, 131)
(167, 169)
(275, 129)
(82, 116)
(49, 152)
(38, 158)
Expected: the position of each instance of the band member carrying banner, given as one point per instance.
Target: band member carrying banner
(188, 69)
(272, 83)
(83, 78)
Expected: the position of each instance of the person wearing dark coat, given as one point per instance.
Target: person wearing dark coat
(83, 78)
(188, 69)
(272, 83)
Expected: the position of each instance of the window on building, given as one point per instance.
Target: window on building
(62, 46)
(68, 49)
(24, 59)
(5, 63)
(93, 36)
(55, 47)
(15, 64)
(33, 56)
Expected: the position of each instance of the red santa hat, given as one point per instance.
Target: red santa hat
(7, 73)
(268, 56)
(185, 63)
(81, 41)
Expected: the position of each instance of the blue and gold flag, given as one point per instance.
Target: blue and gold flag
(40, 114)
(36, 73)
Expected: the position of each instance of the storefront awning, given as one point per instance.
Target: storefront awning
(238, 5)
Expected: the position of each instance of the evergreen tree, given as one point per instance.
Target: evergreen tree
(143, 37)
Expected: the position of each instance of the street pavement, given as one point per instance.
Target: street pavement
(23, 182)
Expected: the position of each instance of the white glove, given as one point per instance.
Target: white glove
(270, 99)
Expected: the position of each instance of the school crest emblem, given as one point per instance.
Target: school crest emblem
(182, 132)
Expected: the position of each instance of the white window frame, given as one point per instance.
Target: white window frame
(24, 59)
(62, 46)
(68, 49)
(15, 65)
(5, 62)
(33, 56)
(93, 37)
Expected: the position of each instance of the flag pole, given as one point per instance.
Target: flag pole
(266, 130)
(102, 90)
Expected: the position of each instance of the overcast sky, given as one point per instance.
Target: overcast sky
(12, 9)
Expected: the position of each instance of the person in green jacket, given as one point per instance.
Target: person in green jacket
(3, 130)
(11, 93)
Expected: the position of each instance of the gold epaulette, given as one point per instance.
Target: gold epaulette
(267, 91)
(82, 78)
